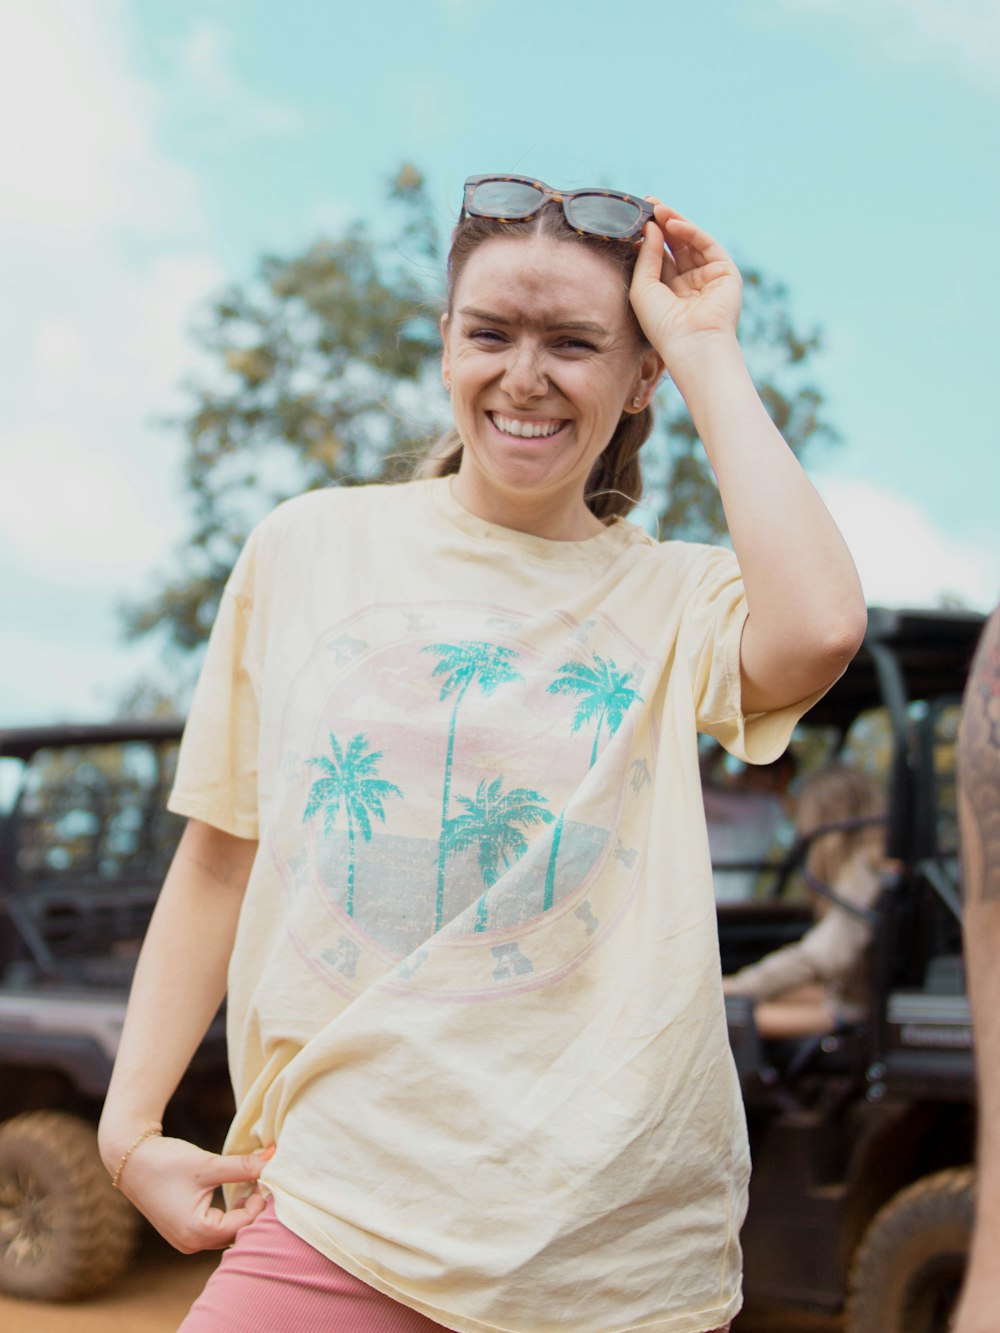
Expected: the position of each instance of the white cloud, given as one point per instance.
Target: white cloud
(175, 285)
(963, 33)
(207, 66)
(73, 508)
(59, 351)
(205, 58)
(74, 128)
(461, 11)
(903, 559)
(331, 217)
(104, 253)
(122, 335)
(429, 106)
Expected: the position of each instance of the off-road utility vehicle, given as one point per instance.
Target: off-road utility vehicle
(84, 842)
(863, 1140)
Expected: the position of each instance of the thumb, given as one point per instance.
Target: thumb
(649, 261)
(226, 1170)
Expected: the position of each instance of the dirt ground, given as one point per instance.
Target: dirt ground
(153, 1297)
(156, 1294)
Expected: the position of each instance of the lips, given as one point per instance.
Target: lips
(526, 430)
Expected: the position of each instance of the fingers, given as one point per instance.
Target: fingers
(226, 1222)
(175, 1187)
(220, 1170)
(651, 257)
(216, 1228)
(674, 254)
(686, 236)
(689, 244)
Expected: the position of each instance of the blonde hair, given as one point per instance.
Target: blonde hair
(832, 795)
(614, 486)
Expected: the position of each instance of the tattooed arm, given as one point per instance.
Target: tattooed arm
(979, 806)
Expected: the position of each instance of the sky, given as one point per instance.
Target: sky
(152, 152)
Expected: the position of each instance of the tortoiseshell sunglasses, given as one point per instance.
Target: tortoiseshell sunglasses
(609, 214)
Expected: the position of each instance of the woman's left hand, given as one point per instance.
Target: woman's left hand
(685, 286)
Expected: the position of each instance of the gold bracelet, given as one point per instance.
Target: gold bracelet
(155, 1132)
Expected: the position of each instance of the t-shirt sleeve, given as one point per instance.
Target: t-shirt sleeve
(711, 631)
(216, 778)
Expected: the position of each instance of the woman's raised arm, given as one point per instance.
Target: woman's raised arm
(806, 608)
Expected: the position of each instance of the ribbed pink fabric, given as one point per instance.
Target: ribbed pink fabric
(270, 1281)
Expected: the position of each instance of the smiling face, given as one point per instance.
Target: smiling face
(543, 357)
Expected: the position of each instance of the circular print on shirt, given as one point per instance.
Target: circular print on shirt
(460, 803)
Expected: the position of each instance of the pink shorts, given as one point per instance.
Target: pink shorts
(270, 1281)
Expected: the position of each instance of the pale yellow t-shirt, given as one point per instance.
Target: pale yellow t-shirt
(475, 994)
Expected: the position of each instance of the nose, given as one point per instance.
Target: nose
(524, 376)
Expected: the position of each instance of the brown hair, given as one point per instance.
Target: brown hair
(614, 486)
(833, 794)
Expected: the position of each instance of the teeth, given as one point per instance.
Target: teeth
(528, 430)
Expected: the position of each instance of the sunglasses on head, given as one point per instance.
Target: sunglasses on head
(609, 214)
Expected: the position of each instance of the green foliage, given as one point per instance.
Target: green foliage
(491, 822)
(472, 661)
(350, 780)
(463, 664)
(605, 694)
(95, 814)
(324, 370)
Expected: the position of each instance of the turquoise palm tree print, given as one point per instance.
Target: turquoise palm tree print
(606, 694)
(468, 662)
(350, 781)
(491, 821)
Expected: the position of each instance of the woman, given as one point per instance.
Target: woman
(474, 994)
(818, 982)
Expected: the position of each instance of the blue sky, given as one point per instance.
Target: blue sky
(153, 151)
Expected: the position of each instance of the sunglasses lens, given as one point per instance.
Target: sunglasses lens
(506, 199)
(603, 215)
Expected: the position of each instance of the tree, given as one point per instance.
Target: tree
(349, 780)
(463, 664)
(319, 371)
(606, 694)
(324, 369)
(491, 822)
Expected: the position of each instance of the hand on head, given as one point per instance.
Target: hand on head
(685, 285)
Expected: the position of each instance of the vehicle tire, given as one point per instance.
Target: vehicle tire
(64, 1232)
(908, 1270)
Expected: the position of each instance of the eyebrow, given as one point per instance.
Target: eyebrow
(491, 318)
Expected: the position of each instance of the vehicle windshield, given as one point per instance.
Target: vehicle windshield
(94, 813)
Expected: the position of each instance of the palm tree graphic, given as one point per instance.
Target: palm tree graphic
(491, 821)
(468, 662)
(606, 694)
(350, 781)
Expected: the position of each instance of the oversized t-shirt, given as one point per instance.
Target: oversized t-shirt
(475, 997)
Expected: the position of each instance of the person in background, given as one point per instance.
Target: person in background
(979, 812)
(819, 982)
